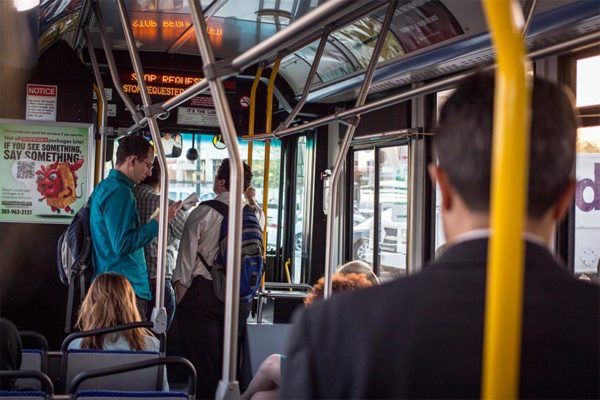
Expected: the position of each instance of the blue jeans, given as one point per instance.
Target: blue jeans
(169, 301)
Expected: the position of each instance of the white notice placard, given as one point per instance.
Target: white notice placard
(41, 102)
(197, 116)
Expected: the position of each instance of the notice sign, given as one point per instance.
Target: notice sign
(47, 170)
(197, 116)
(41, 102)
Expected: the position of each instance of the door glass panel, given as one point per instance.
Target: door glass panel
(587, 204)
(393, 211)
(363, 205)
(299, 208)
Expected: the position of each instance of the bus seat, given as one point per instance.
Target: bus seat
(261, 341)
(33, 358)
(78, 361)
(113, 394)
(46, 391)
(118, 371)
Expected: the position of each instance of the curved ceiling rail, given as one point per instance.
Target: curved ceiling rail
(429, 88)
(305, 30)
(429, 60)
(343, 152)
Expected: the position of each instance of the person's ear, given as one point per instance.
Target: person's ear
(131, 160)
(439, 176)
(561, 207)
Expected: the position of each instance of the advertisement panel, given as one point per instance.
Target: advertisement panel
(47, 170)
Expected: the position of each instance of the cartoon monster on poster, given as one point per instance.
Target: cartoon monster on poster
(57, 183)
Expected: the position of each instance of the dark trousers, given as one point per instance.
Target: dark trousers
(199, 323)
(169, 301)
(142, 306)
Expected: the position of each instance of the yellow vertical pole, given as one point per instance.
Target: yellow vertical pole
(252, 111)
(504, 287)
(268, 129)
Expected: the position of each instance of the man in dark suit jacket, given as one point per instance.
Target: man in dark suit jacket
(422, 336)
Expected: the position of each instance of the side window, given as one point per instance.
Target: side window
(587, 191)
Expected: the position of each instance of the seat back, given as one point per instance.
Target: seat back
(46, 388)
(78, 361)
(31, 360)
(115, 395)
(82, 380)
(262, 340)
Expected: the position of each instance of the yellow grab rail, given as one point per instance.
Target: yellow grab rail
(288, 277)
(504, 288)
(268, 128)
(252, 111)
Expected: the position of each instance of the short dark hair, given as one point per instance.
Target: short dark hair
(153, 179)
(463, 142)
(223, 173)
(132, 146)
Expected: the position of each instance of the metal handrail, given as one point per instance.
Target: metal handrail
(308, 26)
(510, 148)
(268, 127)
(159, 313)
(341, 157)
(228, 386)
(103, 106)
(110, 60)
(252, 110)
(309, 79)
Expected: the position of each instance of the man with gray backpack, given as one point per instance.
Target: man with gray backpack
(199, 277)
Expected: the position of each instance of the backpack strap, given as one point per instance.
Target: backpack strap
(222, 209)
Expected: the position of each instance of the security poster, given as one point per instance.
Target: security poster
(47, 170)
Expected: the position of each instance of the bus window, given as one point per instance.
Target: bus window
(587, 74)
(586, 261)
(587, 203)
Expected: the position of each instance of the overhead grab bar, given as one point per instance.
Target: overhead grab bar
(336, 173)
(159, 313)
(112, 66)
(228, 386)
(510, 149)
(309, 80)
(306, 26)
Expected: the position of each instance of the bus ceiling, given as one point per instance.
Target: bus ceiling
(427, 38)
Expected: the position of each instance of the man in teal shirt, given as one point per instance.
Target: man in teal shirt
(118, 237)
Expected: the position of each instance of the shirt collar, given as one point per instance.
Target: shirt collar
(146, 188)
(486, 233)
(121, 177)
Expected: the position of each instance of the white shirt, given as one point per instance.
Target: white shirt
(201, 235)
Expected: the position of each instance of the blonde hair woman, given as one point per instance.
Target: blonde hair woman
(110, 301)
